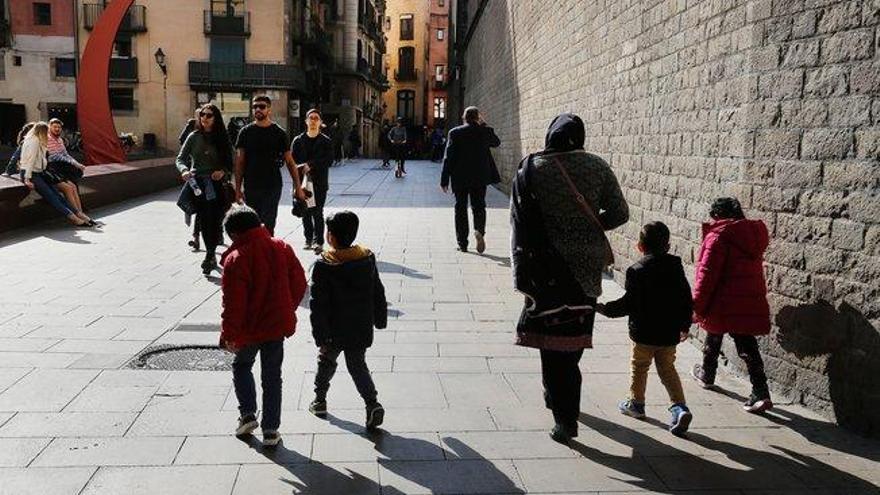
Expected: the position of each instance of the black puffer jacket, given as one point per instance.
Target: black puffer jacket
(347, 299)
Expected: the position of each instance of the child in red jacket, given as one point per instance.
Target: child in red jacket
(263, 283)
(730, 295)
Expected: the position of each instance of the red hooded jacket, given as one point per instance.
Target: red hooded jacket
(263, 283)
(730, 294)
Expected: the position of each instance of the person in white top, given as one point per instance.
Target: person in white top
(35, 176)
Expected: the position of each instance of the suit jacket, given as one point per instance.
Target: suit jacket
(467, 160)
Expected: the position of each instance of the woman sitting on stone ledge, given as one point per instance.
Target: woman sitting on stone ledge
(36, 176)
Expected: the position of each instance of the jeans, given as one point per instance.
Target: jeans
(747, 349)
(313, 220)
(562, 385)
(264, 201)
(664, 358)
(477, 196)
(355, 361)
(51, 195)
(271, 356)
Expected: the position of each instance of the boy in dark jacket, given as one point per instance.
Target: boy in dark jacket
(263, 283)
(347, 301)
(658, 302)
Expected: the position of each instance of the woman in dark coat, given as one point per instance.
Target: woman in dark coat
(559, 253)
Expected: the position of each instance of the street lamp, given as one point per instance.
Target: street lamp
(160, 61)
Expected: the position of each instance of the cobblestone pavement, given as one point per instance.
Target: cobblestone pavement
(464, 404)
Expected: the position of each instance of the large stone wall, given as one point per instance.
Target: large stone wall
(775, 102)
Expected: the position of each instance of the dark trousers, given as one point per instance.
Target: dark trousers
(264, 200)
(313, 220)
(562, 385)
(209, 216)
(271, 356)
(355, 361)
(51, 195)
(747, 349)
(477, 197)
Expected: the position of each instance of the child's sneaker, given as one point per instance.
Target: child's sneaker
(632, 408)
(757, 406)
(703, 379)
(375, 415)
(271, 438)
(681, 419)
(318, 408)
(246, 425)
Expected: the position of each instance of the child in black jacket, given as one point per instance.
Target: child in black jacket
(347, 301)
(658, 302)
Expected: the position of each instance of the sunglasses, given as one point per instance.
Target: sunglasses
(259, 106)
(206, 115)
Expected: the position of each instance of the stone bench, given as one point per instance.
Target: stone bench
(101, 185)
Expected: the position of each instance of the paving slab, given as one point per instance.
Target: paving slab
(67, 424)
(42, 481)
(176, 480)
(104, 451)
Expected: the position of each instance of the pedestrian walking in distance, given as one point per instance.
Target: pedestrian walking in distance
(204, 160)
(559, 251)
(467, 166)
(261, 151)
(398, 140)
(313, 153)
(658, 303)
(347, 301)
(263, 283)
(730, 295)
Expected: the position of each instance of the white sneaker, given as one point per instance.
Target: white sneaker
(271, 438)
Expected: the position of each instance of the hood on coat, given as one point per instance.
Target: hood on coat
(340, 256)
(566, 133)
(749, 236)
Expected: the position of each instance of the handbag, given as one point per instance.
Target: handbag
(588, 210)
(66, 170)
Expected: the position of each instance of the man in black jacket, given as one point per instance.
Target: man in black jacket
(467, 164)
(313, 153)
(347, 301)
(658, 302)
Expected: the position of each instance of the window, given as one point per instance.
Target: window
(406, 27)
(65, 67)
(439, 73)
(407, 60)
(122, 99)
(16, 60)
(439, 107)
(122, 46)
(406, 103)
(441, 34)
(227, 50)
(42, 14)
(2, 67)
(441, 3)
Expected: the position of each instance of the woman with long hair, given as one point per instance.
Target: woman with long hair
(13, 165)
(36, 177)
(206, 156)
(563, 201)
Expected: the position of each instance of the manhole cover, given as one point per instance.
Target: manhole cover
(182, 358)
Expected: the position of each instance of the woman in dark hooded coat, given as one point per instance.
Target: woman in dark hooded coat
(559, 253)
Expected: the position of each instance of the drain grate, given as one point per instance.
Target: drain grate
(182, 358)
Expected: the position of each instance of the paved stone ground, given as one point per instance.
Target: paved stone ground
(464, 405)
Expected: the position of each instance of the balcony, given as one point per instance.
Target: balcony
(220, 24)
(316, 43)
(124, 69)
(242, 77)
(134, 21)
(405, 75)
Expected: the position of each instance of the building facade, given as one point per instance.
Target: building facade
(406, 23)
(773, 102)
(37, 63)
(438, 63)
(356, 76)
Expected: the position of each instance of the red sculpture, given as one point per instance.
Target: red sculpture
(99, 136)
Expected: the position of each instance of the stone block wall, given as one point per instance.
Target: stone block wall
(775, 102)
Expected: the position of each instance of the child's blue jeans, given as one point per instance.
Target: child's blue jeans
(271, 356)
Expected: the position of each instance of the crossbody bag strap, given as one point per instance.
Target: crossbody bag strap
(591, 214)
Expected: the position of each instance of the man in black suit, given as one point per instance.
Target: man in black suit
(467, 165)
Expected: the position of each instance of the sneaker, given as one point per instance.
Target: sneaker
(703, 378)
(209, 265)
(481, 242)
(319, 248)
(246, 425)
(681, 419)
(309, 246)
(561, 434)
(271, 438)
(757, 406)
(462, 249)
(375, 416)
(318, 408)
(632, 409)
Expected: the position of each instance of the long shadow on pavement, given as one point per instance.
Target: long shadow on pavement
(724, 466)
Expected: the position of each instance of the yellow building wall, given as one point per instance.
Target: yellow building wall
(420, 10)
